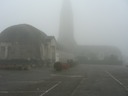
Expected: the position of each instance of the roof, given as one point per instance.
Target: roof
(22, 33)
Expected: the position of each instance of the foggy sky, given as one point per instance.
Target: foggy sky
(99, 22)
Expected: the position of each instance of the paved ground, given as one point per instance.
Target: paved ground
(12, 79)
(82, 80)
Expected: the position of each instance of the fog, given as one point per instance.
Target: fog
(96, 22)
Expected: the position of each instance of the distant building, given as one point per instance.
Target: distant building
(63, 54)
(86, 52)
(25, 42)
(66, 28)
(99, 52)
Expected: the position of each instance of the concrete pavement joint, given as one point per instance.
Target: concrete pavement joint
(50, 88)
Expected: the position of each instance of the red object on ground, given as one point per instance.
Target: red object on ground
(65, 66)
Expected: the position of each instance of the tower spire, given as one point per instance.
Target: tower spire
(66, 31)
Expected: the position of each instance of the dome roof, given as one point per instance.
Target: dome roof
(22, 33)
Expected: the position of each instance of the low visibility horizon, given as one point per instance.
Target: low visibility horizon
(100, 22)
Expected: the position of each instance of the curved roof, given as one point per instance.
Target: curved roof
(22, 33)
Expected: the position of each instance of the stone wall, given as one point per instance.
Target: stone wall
(19, 51)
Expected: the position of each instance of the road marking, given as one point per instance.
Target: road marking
(24, 82)
(72, 76)
(82, 80)
(50, 88)
(118, 81)
(6, 92)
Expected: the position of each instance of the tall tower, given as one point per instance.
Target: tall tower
(66, 31)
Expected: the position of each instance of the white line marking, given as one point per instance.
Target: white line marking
(6, 92)
(23, 82)
(72, 76)
(50, 89)
(118, 81)
(78, 86)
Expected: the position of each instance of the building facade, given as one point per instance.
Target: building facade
(26, 43)
(66, 38)
(66, 28)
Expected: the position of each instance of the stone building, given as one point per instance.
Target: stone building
(66, 28)
(26, 43)
(98, 52)
(67, 39)
(63, 54)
